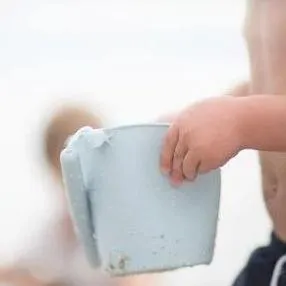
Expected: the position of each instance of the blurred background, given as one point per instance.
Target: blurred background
(129, 61)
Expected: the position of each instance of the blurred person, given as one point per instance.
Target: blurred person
(57, 259)
(206, 135)
(65, 123)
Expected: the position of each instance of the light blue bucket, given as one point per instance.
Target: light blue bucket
(127, 215)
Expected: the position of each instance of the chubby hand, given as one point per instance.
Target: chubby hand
(203, 137)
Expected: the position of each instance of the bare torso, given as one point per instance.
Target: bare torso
(273, 168)
(265, 34)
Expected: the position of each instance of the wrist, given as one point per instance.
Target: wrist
(257, 119)
(242, 124)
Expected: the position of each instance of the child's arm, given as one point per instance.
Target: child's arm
(239, 90)
(263, 122)
(206, 135)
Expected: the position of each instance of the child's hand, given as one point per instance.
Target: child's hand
(202, 138)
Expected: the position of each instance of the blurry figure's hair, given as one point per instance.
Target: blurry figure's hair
(65, 121)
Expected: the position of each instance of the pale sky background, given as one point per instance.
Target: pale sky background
(132, 60)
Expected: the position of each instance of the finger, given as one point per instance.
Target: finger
(169, 146)
(181, 150)
(177, 177)
(191, 165)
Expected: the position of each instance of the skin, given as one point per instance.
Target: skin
(252, 122)
(269, 45)
(206, 135)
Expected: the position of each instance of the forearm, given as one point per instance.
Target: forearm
(263, 122)
(240, 90)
